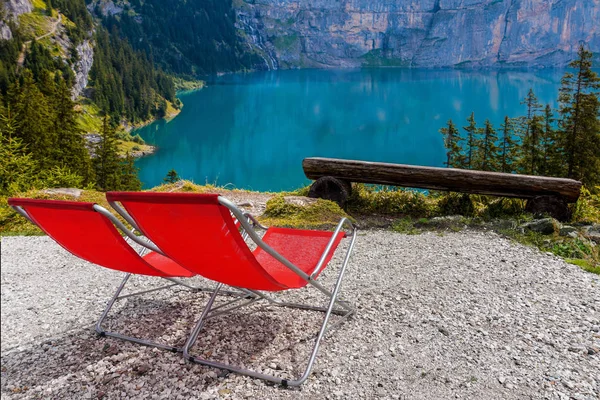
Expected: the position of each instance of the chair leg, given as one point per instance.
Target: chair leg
(285, 382)
(100, 330)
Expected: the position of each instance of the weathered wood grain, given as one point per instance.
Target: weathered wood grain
(449, 179)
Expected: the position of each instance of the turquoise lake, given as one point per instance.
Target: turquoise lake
(252, 131)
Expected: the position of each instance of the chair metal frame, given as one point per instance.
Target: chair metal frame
(146, 245)
(248, 224)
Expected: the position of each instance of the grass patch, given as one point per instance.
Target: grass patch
(34, 24)
(184, 84)
(587, 208)
(585, 252)
(406, 226)
(320, 214)
(585, 265)
(125, 147)
(89, 117)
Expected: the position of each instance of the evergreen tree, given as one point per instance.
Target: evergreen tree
(106, 162)
(489, 149)
(70, 145)
(35, 122)
(455, 158)
(551, 156)
(129, 175)
(531, 133)
(508, 147)
(18, 168)
(172, 176)
(579, 123)
(472, 141)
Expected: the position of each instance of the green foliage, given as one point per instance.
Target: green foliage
(585, 265)
(544, 143)
(138, 139)
(125, 82)
(59, 176)
(455, 158)
(405, 225)
(113, 172)
(18, 168)
(456, 204)
(508, 147)
(171, 177)
(320, 214)
(472, 141)
(489, 151)
(579, 133)
(368, 199)
(208, 44)
(587, 208)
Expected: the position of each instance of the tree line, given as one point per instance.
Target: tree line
(207, 44)
(41, 144)
(564, 142)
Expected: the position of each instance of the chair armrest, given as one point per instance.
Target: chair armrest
(320, 265)
(254, 221)
(123, 228)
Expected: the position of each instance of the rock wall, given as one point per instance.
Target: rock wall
(419, 33)
(12, 9)
(82, 68)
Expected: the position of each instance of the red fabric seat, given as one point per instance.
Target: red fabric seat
(89, 235)
(303, 248)
(199, 233)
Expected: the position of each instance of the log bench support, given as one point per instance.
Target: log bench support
(544, 194)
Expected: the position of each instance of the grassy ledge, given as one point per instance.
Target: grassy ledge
(403, 211)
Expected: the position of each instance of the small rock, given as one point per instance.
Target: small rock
(591, 350)
(444, 331)
(566, 230)
(378, 354)
(545, 226)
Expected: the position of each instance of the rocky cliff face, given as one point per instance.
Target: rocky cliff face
(12, 9)
(82, 67)
(418, 33)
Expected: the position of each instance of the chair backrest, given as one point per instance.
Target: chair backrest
(197, 232)
(86, 233)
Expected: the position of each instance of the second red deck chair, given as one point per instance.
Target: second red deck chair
(89, 231)
(198, 231)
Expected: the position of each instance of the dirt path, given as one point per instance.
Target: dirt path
(21, 59)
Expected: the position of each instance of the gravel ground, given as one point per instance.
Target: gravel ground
(454, 315)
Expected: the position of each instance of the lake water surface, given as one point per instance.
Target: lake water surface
(253, 130)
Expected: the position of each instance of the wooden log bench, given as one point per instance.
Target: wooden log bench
(333, 179)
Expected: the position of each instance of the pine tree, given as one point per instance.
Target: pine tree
(35, 123)
(532, 131)
(551, 157)
(489, 149)
(579, 123)
(18, 168)
(172, 176)
(455, 158)
(472, 141)
(106, 163)
(508, 146)
(70, 146)
(129, 175)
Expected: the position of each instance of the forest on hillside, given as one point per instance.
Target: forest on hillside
(208, 44)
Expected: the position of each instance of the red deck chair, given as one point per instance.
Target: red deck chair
(88, 231)
(198, 231)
